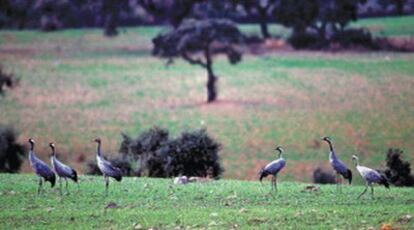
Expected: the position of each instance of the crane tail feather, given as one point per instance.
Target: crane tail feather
(51, 179)
(74, 176)
(262, 174)
(349, 176)
(384, 182)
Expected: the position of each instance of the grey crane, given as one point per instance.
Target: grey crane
(62, 170)
(107, 169)
(273, 168)
(340, 168)
(370, 177)
(41, 169)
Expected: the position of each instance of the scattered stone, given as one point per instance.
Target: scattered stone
(214, 214)
(386, 227)
(181, 180)
(242, 210)
(111, 205)
(405, 219)
(138, 227)
(311, 188)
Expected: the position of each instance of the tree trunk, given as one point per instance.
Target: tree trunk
(399, 6)
(211, 86)
(111, 10)
(211, 78)
(110, 25)
(263, 23)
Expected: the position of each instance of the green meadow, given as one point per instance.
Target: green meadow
(76, 85)
(142, 203)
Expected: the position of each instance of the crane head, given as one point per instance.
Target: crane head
(31, 141)
(327, 139)
(279, 148)
(52, 145)
(97, 140)
(354, 157)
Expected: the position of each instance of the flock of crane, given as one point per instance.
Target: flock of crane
(45, 173)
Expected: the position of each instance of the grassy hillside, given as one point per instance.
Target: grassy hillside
(77, 84)
(157, 203)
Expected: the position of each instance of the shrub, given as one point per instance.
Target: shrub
(6, 80)
(11, 153)
(398, 171)
(305, 41)
(144, 150)
(323, 177)
(354, 37)
(193, 154)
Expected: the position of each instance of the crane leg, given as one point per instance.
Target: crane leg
(337, 182)
(39, 189)
(276, 183)
(60, 185)
(271, 185)
(365, 190)
(106, 185)
(372, 191)
(67, 190)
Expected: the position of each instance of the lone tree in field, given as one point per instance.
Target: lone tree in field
(197, 41)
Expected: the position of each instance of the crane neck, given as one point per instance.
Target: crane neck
(31, 146)
(356, 162)
(280, 154)
(98, 149)
(331, 148)
(53, 152)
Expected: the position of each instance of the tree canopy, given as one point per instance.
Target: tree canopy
(196, 41)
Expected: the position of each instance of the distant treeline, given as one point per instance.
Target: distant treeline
(55, 14)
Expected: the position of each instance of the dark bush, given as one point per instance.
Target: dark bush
(398, 171)
(354, 38)
(6, 80)
(192, 154)
(323, 177)
(11, 153)
(144, 150)
(306, 41)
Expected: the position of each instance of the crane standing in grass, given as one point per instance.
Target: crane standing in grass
(107, 169)
(370, 177)
(62, 170)
(41, 169)
(273, 168)
(340, 168)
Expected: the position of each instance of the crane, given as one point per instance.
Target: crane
(106, 167)
(340, 168)
(62, 170)
(273, 168)
(370, 177)
(41, 169)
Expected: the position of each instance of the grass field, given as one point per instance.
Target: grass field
(76, 85)
(225, 204)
